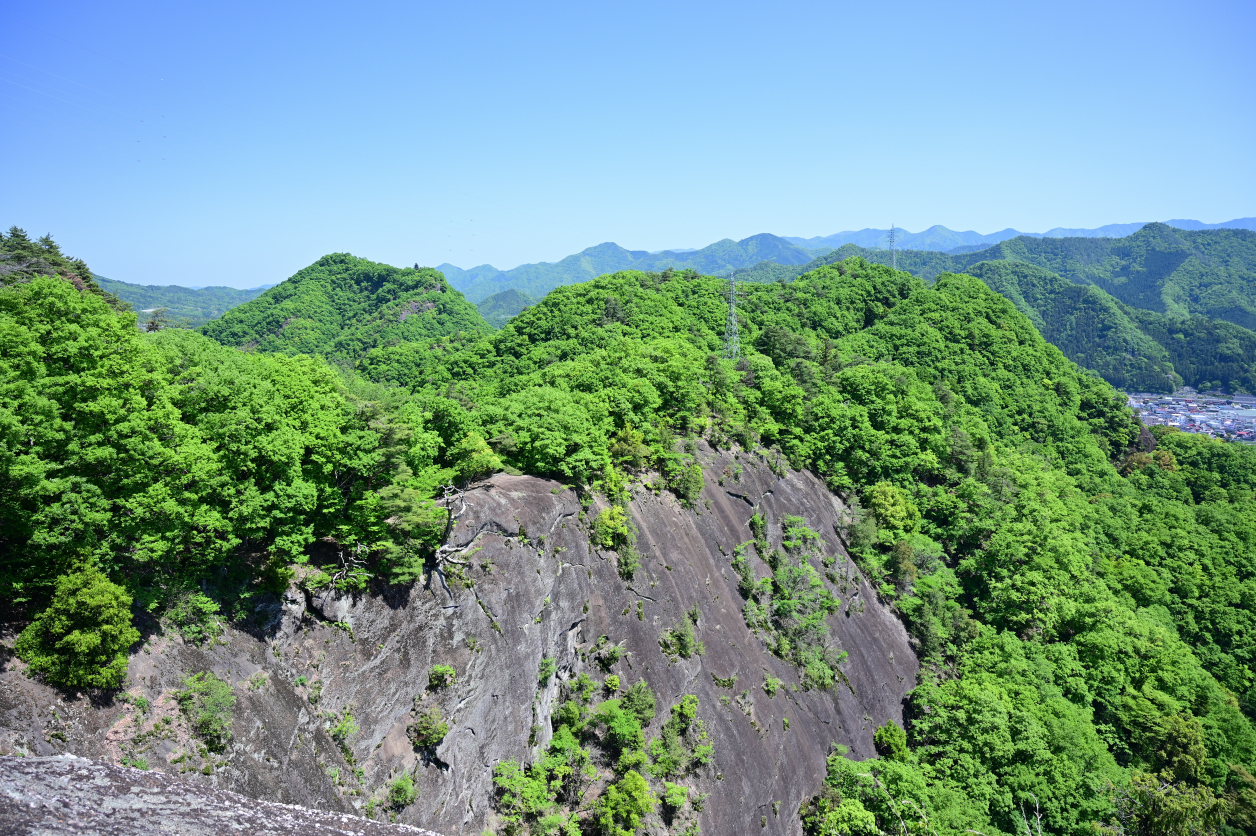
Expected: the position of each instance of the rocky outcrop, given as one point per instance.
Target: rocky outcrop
(531, 587)
(75, 796)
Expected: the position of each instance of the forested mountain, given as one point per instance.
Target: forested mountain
(1089, 326)
(500, 308)
(1109, 311)
(184, 307)
(538, 279)
(1177, 272)
(342, 306)
(1078, 592)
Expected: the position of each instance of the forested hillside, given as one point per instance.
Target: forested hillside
(1089, 326)
(1210, 272)
(1079, 593)
(181, 307)
(342, 306)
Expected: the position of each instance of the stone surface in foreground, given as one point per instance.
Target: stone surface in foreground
(65, 794)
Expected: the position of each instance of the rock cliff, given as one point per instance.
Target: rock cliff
(537, 589)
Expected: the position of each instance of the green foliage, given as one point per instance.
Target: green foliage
(548, 796)
(546, 669)
(401, 792)
(891, 742)
(195, 616)
(162, 455)
(610, 528)
(640, 700)
(22, 260)
(683, 746)
(428, 729)
(681, 641)
(611, 683)
(207, 703)
(1148, 312)
(624, 804)
(716, 259)
(81, 640)
(135, 761)
(441, 676)
(1082, 605)
(345, 727)
(790, 607)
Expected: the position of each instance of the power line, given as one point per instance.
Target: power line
(732, 337)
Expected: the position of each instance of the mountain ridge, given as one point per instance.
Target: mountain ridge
(537, 279)
(938, 237)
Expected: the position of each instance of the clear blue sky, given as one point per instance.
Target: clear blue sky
(233, 143)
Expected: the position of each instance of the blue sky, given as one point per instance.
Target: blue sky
(234, 143)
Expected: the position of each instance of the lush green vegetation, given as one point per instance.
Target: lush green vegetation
(1082, 604)
(342, 306)
(168, 459)
(82, 638)
(500, 308)
(208, 704)
(1134, 349)
(1210, 272)
(180, 307)
(1088, 325)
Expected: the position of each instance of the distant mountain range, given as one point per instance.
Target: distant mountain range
(536, 280)
(727, 255)
(941, 239)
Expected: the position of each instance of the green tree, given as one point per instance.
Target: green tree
(81, 640)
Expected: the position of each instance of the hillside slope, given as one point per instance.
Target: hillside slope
(342, 306)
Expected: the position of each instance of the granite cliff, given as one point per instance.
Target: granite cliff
(531, 587)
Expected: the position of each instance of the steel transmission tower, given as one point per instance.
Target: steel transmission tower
(732, 338)
(893, 252)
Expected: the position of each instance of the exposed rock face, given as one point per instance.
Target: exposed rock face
(531, 598)
(68, 795)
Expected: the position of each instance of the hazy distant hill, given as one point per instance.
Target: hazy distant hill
(940, 238)
(185, 307)
(500, 308)
(536, 280)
